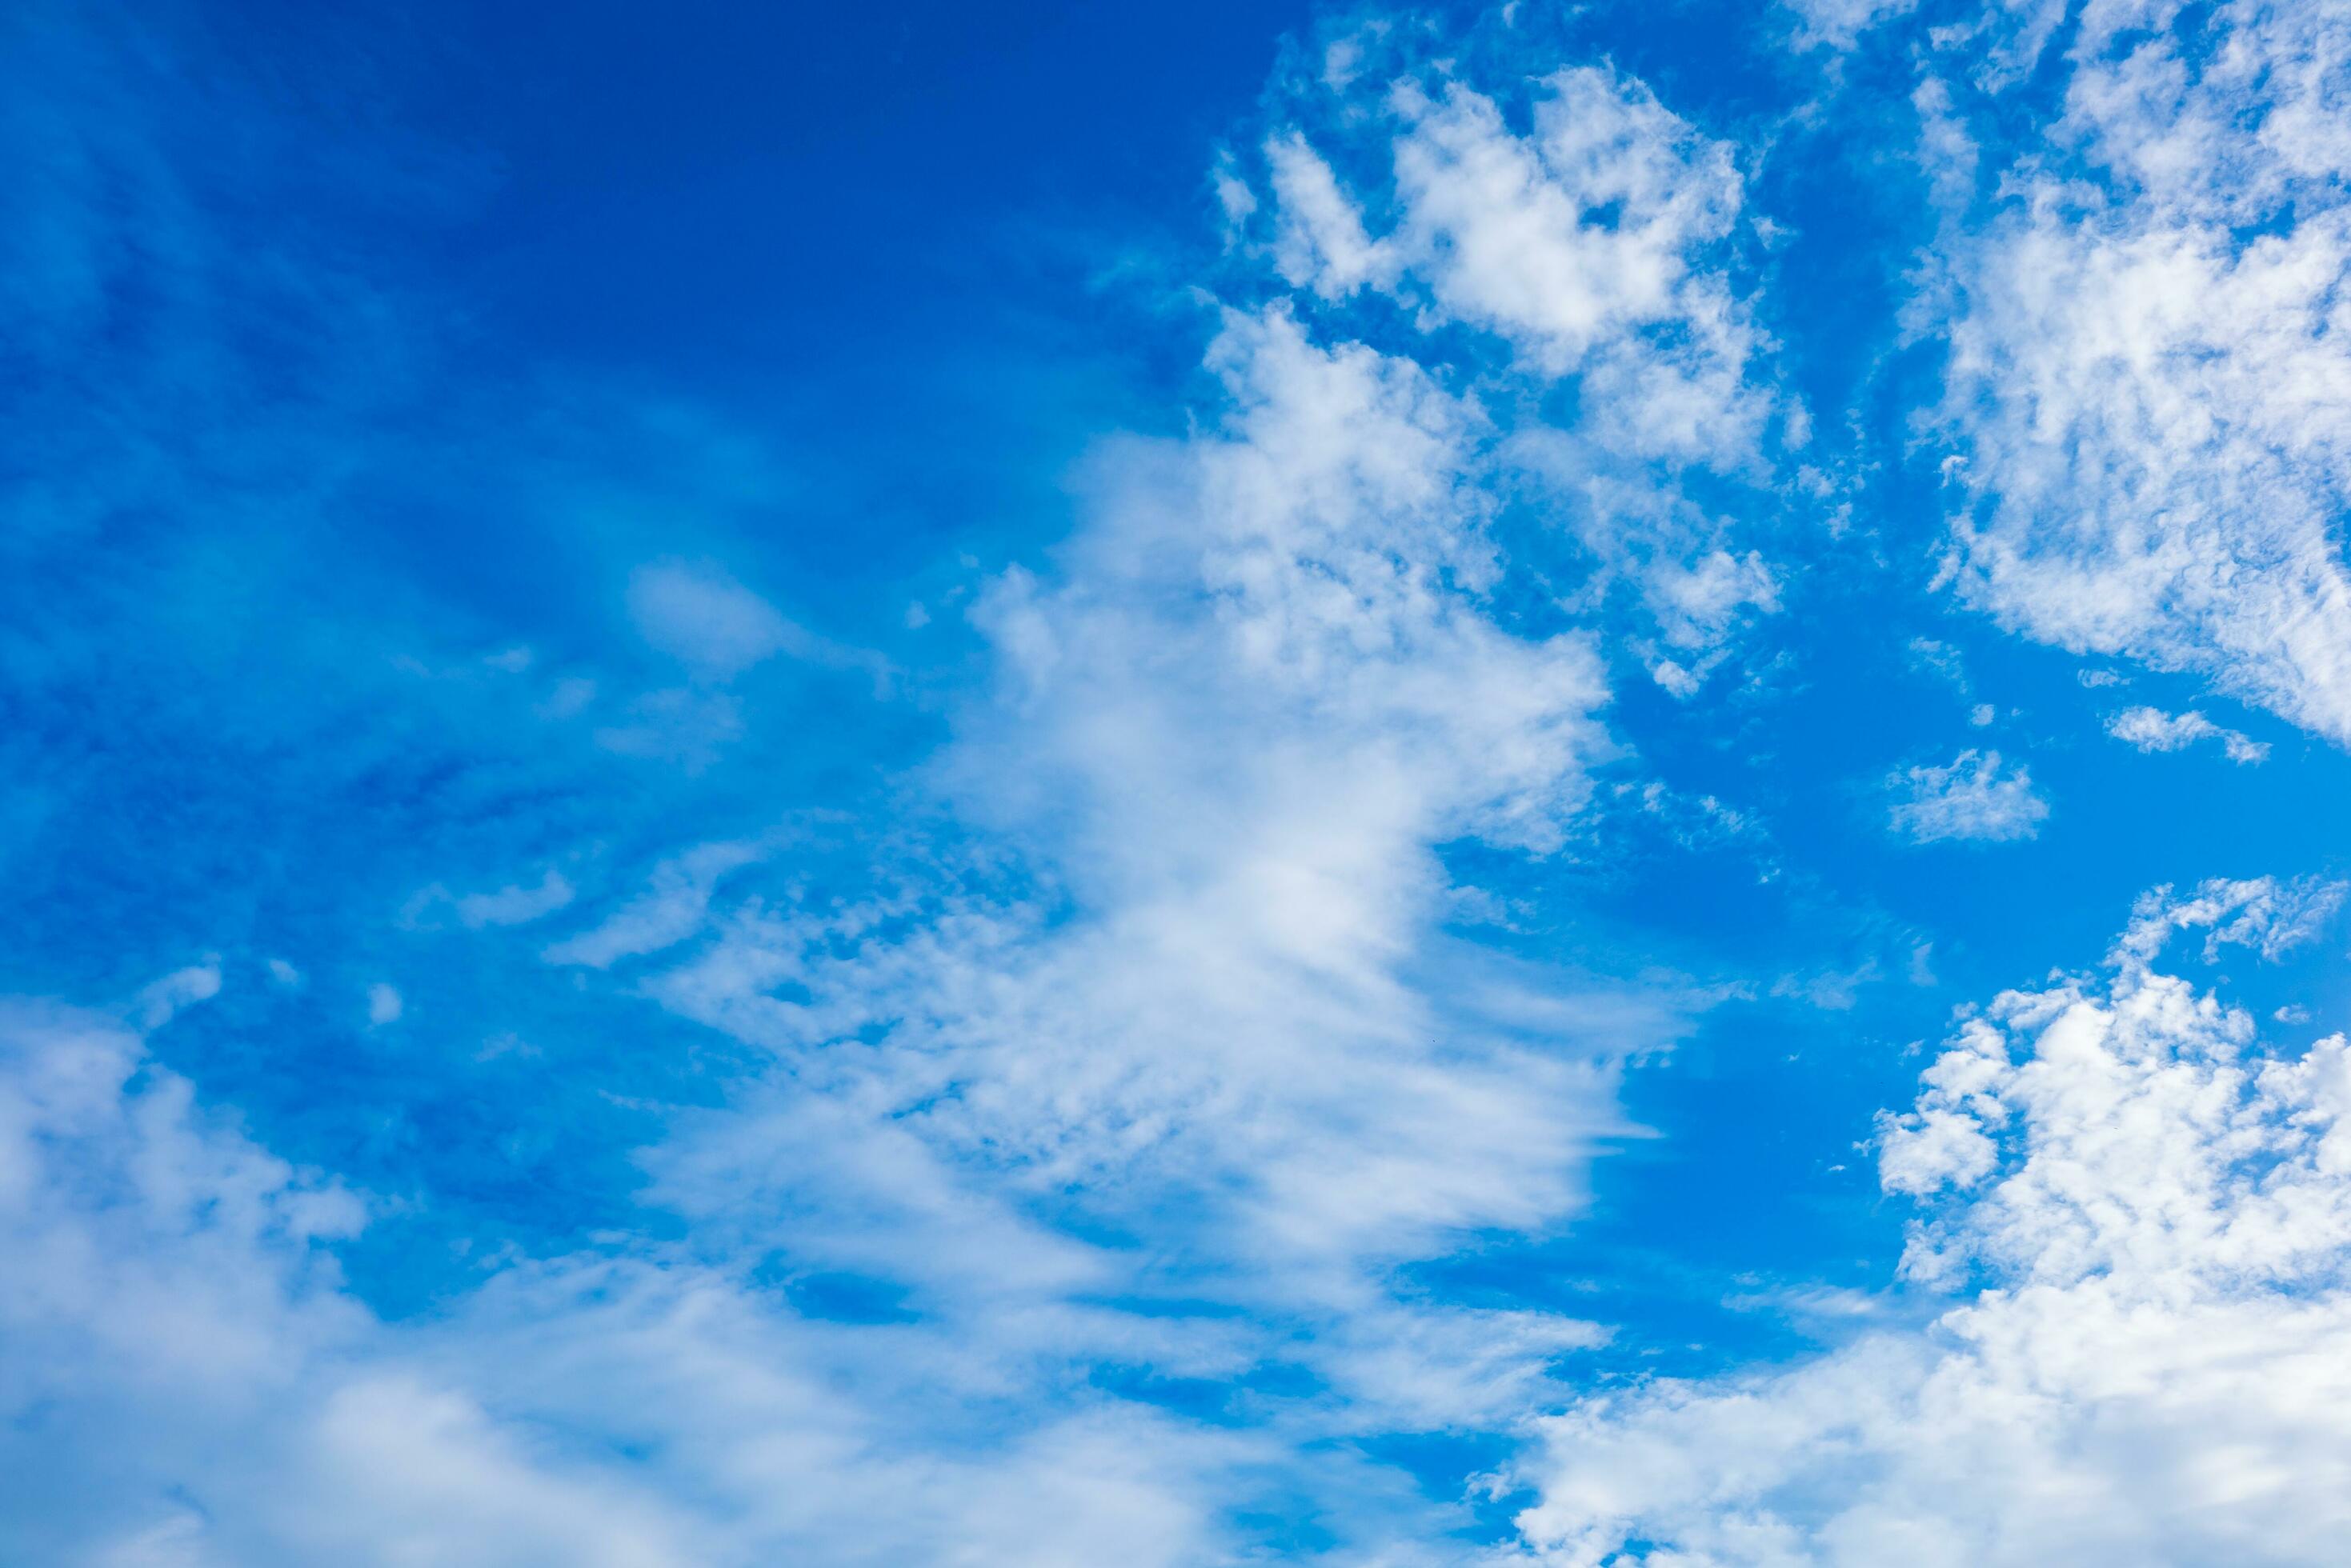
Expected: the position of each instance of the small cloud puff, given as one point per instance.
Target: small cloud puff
(1971, 798)
(705, 619)
(383, 1005)
(514, 906)
(1941, 660)
(182, 988)
(2153, 729)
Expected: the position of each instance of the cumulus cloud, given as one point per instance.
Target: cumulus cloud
(2147, 374)
(1581, 222)
(2146, 1216)
(2153, 729)
(1972, 797)
(383, 1004)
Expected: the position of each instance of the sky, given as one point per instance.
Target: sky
(1536, 787)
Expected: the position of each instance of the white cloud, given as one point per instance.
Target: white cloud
(1321, 244)
(1942, 660)
(2147, 376)
(700, 616)
(514, 906)
(2153, 729)
(1509, 233)
(511, 906)
(1247, 782)
(1838, 23)
(188, 1384)
(2271, 916)
(182, 988)
(675, 908)
(2147, 1219)
(1971, 798)
(383, 1004)
(703, 618)
(1586, 230)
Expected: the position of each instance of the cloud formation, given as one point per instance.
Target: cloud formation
(1592, 232)
(2153, 729)
(1144, 1105)
(2145, 1214)
(1974, 796)
(2146, 360)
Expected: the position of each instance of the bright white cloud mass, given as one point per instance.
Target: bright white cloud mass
(1388, 848)
(2139, 1213)
(2147, 358)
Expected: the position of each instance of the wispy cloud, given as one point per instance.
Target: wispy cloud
(1974, 796)
(2153, 729)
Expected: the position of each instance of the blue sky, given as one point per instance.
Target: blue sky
(1225, 784)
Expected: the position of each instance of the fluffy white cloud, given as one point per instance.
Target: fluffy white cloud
(2147, 373)
(1266, 689)
(1583, 224)
(1587, 242)
(2148, 1218)
(1974, 796)
(2153, 729)
(1576, 240)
